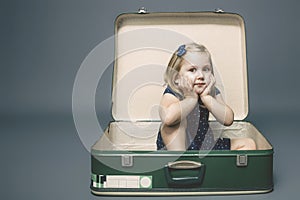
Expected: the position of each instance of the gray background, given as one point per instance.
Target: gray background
(43, 44)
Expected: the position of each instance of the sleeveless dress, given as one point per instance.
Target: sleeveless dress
(197, 122)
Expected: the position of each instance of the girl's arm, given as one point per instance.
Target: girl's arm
(172, 110)
(173, 114)
(222, 112)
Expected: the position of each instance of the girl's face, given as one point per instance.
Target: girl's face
(197, 70)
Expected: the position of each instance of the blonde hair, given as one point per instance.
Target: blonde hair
(175, 64)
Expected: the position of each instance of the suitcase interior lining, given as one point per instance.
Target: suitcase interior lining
(145, 43)
(142, 135)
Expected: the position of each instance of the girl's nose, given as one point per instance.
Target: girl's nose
(199, 74)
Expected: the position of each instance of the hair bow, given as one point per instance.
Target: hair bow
(181, 50)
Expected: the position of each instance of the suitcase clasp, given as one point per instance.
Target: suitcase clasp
(241, 160)
(127, 160)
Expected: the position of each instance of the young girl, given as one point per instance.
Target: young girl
(185, 105)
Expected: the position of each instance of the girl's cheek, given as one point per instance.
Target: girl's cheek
(187, 76)
(207, 78)
(192, 78)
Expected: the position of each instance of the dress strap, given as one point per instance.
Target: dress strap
(168, 90)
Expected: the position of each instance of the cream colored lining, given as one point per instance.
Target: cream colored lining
(144, 44)
(142, 135)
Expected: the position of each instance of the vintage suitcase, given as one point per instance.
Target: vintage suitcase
(125, 161)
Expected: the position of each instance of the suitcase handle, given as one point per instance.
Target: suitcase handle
(177, 173)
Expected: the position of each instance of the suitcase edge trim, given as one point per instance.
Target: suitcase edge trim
(172, 193)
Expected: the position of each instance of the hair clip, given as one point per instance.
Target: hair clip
(181, 50)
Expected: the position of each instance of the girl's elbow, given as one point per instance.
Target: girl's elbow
(228, 122)
(229, 119)
(169, 120)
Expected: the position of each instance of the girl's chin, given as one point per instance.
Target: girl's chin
(199, 91)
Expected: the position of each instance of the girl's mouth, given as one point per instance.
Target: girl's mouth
(199, 84)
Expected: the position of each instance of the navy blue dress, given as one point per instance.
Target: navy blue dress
(197, 122)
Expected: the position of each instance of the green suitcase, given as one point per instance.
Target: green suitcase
(125, 161)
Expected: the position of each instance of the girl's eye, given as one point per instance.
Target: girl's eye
(206, 69)
(192, 69)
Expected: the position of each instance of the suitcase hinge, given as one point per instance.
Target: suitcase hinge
(127, 160)
(241, 160)
(219, 10)
(142, 10)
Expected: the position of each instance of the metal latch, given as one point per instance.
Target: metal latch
(219, 10)
(241, 160)
(127, 160)
(142, 10)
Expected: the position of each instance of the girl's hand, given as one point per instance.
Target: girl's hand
(211, 84)
(186, 87)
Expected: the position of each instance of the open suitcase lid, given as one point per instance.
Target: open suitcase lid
(144, 45)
